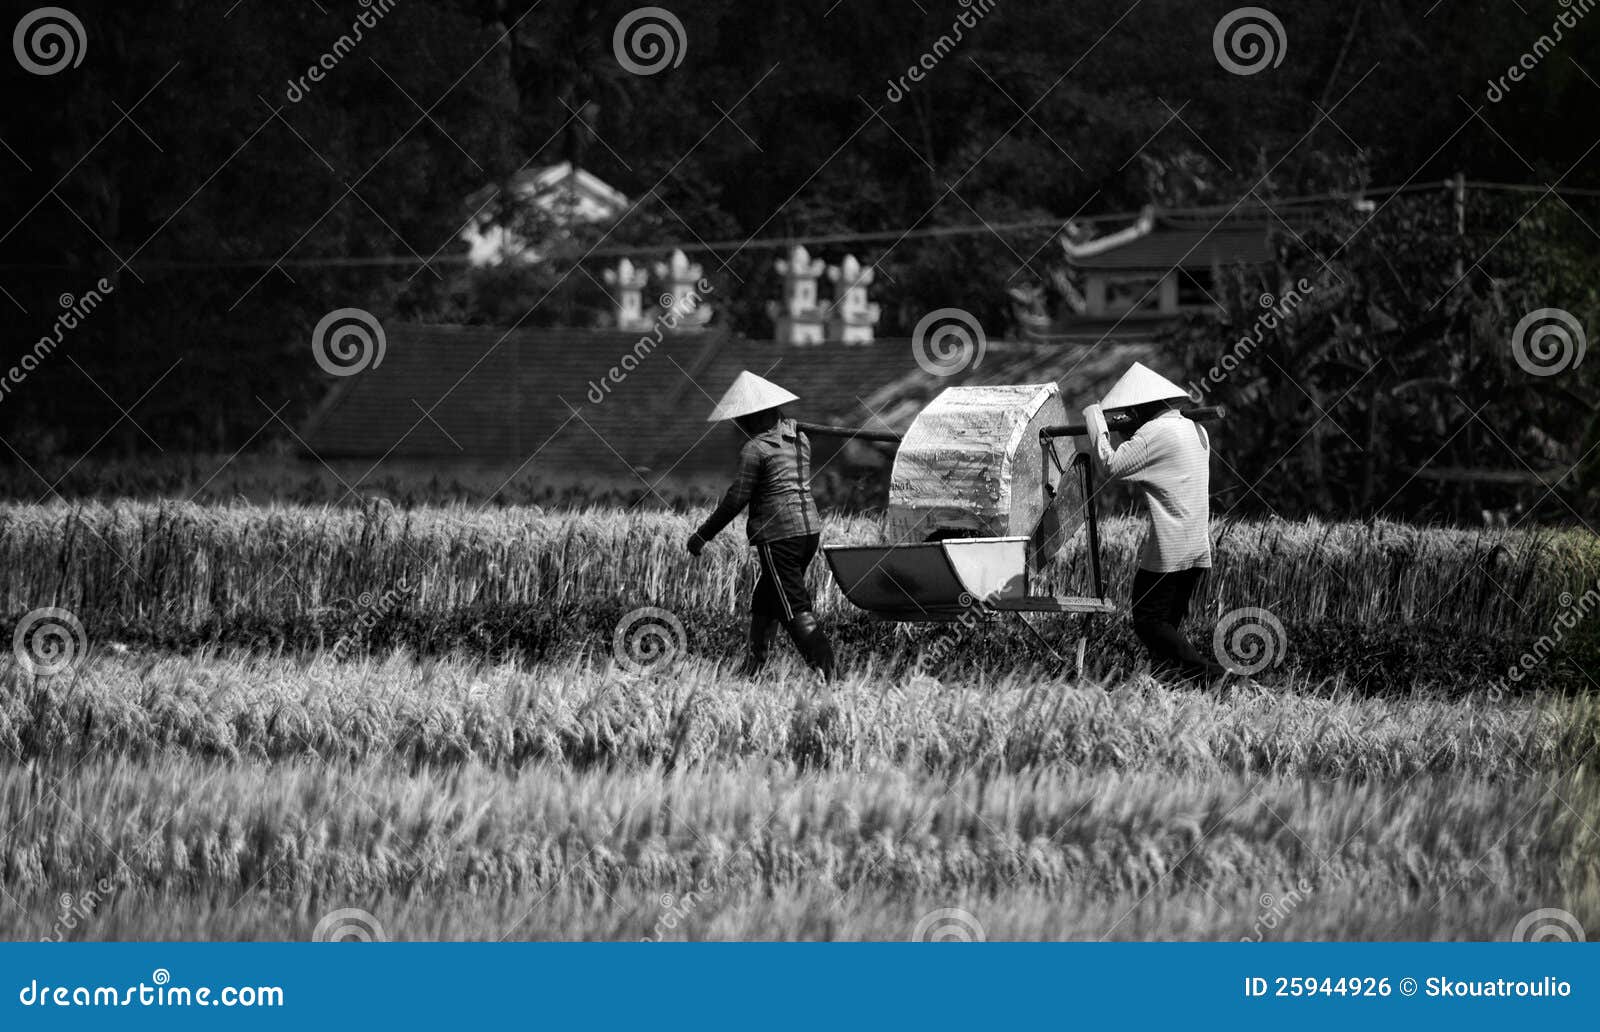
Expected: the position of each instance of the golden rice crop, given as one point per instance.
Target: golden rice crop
(186, 563)
(190, 833)
(1390, 606)
(580, 714)
(237, 753)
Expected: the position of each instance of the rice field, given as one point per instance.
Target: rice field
(278, 713)
(1381, 605)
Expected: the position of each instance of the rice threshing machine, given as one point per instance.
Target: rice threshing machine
(989, 484)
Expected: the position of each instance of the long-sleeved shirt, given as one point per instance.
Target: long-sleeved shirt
(1169, 459)
(774, 480)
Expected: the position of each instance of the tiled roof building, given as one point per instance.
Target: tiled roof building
(1164, 265)
(605, 402)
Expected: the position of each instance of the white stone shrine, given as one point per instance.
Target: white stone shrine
(683, 295)
(851, 317)
(800, 317)
(629, 281)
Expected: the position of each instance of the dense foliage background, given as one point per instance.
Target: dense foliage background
(173, 162)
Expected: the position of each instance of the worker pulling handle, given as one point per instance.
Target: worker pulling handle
(860, 434)
(1121, 420)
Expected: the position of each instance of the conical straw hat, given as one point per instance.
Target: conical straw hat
(749, 393)
(1141, 385)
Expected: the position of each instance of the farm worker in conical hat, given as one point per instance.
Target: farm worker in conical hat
(1167, 457)
(774, 481)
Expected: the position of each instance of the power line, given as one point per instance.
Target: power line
(1576, 191)
(815, 239)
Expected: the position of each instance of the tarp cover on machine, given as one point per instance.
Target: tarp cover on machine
(971, 464)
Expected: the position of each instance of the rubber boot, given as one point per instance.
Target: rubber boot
(763, 628)
(813, 643)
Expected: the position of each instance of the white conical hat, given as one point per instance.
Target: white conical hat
(1141, 385)
(749, 393)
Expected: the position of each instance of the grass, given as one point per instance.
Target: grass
(248, 743)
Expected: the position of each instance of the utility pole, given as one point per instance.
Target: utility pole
(1458, 186)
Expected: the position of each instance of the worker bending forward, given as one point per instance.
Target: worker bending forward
(774, 480)
(1168, 457)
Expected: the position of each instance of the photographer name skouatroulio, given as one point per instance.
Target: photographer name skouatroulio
(1380, 986)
